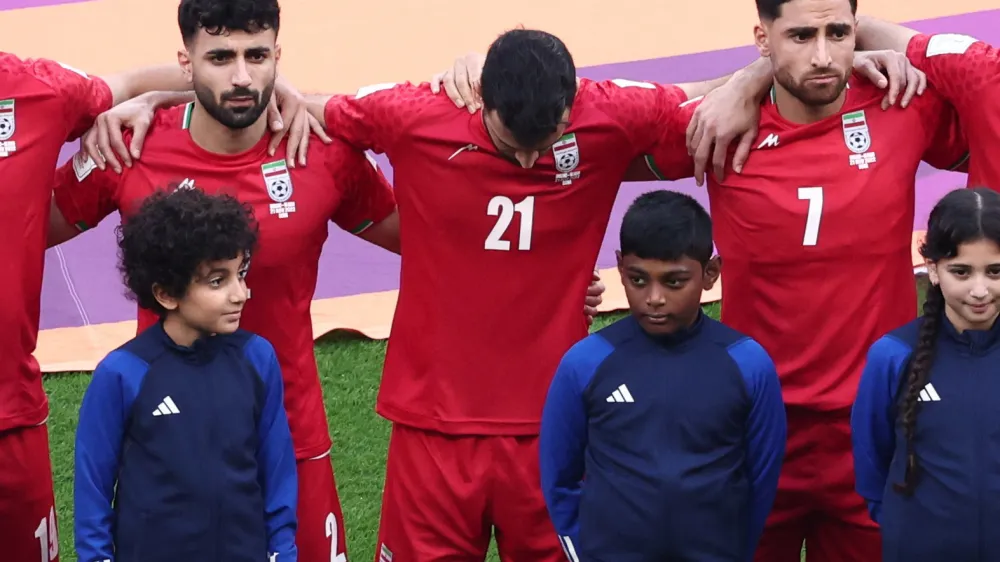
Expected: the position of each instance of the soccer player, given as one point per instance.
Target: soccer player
(965, 71)
(219, 143)
(183, 450)
(816, 233)
(43, 105)
(675, 419)
(499, 199)
(924, 423)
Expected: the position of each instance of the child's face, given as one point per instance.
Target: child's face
(665, 296)
(214, 300)
(970, 283)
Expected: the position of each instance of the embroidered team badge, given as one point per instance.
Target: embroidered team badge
(279, 187)
(7, 126)
(858, 139)
(566, 152)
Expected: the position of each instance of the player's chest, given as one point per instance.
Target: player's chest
(567, 185)
(289, 209)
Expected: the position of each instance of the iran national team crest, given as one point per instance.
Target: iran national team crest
(858, 139)
(7, 126)
(566, 153)
(279, 187)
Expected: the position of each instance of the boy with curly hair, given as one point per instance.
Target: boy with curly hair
(183, 450)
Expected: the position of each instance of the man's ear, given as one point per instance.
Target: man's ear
(760, 39)
(711, 273)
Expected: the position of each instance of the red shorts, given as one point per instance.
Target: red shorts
(28, 531)
(816, 502)
(320, 535)
(445, 495)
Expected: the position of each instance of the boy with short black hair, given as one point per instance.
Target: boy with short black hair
(183, 450)
(676, 420)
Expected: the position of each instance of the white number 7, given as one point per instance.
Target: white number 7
(814, 215)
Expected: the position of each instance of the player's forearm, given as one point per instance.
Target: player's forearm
(879, 35)
(316, 105)
(131, 83)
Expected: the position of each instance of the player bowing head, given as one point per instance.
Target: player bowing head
(528, 87)
(230, 56)
(811, 47)
(666, 264)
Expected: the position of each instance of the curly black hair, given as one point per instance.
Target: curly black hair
(221, 16)
(173, 233)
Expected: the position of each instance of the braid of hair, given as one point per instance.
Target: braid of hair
(917, 376)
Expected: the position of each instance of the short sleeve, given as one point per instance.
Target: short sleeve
(367, 196)
(668, 159)
(374, 117)
(646, 111)
(83, 97)
(959, 66)
(83, 193)
(949, 146)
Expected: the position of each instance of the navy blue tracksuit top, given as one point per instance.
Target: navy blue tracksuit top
(184, 454)
(954, 510)
(662, 449)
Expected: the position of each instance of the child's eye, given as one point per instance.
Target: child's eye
(216, 282)
(637, 281)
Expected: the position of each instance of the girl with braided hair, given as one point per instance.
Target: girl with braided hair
(926, 421)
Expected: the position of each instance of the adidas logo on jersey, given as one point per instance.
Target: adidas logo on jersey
(621, 394)
(166, 408)
(929, 394)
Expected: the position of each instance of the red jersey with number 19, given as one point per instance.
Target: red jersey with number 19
(293, 208)
(43, 105)
(496, 258)
(967, 73)
(815, 235)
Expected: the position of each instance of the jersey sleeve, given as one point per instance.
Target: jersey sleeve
(82, 97)
(563, 437)
(766, 432)
(375, 116)
(873, 424)
(947, 147)
(959, 66)
(85, 194)
(645, 111)
(99, 436)
(668, 158)
(368, 198)
(276, 456)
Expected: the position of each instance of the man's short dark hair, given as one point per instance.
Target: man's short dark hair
(770, 10)
(529, 79)
(218, 17)
(173, 234)
(667, 226)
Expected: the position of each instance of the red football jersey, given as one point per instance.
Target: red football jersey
(43, 105)
(967, 73)
(496, 258)
(292, 207)
(815, 234)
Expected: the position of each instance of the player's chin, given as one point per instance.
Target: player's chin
(228, 323)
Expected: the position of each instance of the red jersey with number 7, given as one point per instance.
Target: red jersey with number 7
(43, 105)
(496, 259)
(967, 73)
(815, 235)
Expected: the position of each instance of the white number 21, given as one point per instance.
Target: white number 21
(503, 208)
(814, 215)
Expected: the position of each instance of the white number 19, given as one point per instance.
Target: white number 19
(503, 208)
(48, 537)
(814, 215)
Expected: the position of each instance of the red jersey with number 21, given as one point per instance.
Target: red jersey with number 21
(43, 105)
(815, 235)
(293, 208)
(496, 258)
